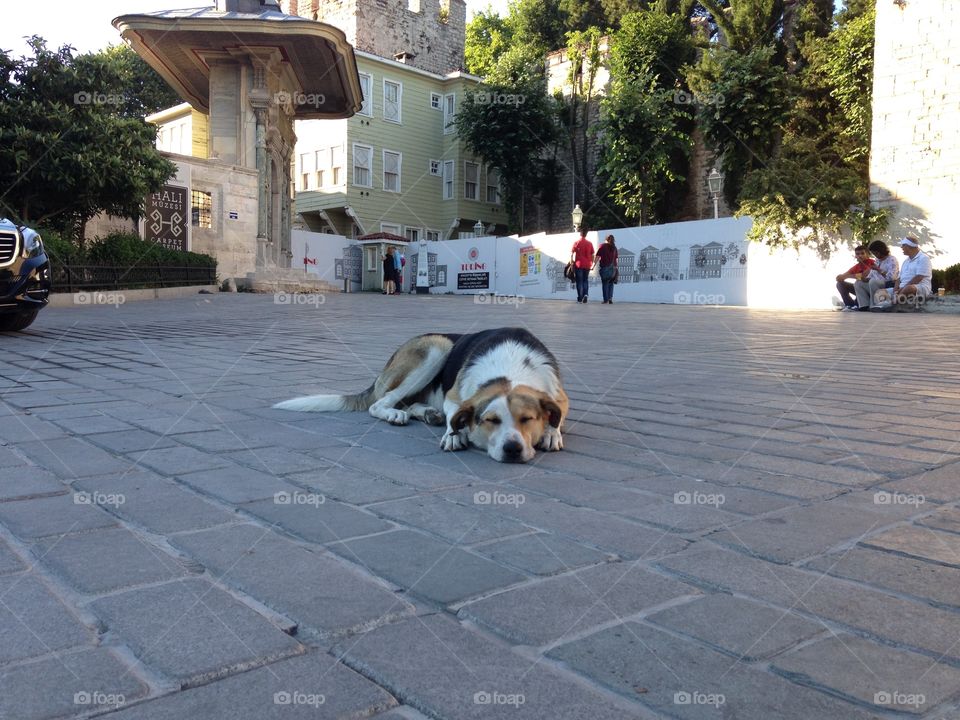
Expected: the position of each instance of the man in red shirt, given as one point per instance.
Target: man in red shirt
(582, 258)
(860, 271)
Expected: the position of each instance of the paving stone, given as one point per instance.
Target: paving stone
(26, 482)
(177, 460)
(277, 460)
(906, 575)
(459, 524)
(217, 441)
(35, 622)
(542, 554)
(871, 673)
(918, 542)
(129, 441)
(21, 428)
(627, 539)
(744, 501)
(45, 516)
(780, 483)
(192, 631)
(89, 425)
(10, 459)
(236, 484)
(745, 629)
(292, 436)
(947, 519)
(70, 458)
(457, 673)
(940, 484)
(319, 519)
(157, 504)
(879, 615)
(426, 567)
(170, 424)
(98, 562)
(789, 535)
(67, 685)
(312, 588)
(352, 486)
(815, 470)
(685, 680)
(9, 562)
(440, 473)
(316, 686)
(552, 609)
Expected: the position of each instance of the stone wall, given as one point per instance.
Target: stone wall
(915, 154)
(431, 31)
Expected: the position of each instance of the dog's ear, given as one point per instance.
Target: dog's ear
(462, 417)
(552, 410)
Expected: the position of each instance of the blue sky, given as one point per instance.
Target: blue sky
(86, 25)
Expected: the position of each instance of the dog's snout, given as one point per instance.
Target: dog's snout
(512, 450)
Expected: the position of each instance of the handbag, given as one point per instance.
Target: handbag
(616, 274)
(570, 272)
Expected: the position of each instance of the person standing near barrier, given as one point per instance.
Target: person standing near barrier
(607, 259)
(581, 255)
(389, 273)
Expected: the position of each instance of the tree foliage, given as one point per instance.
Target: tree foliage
(508, 127)
(66, 152)
(487, 38)
(645, 126)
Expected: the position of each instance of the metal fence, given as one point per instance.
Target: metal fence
(72, 278)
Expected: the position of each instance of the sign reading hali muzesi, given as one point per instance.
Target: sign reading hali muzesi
(166, 217)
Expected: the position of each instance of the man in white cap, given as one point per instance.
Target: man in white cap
(916, 273)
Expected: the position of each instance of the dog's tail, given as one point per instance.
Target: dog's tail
(330, 403)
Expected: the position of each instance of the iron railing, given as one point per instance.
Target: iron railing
(73, 278)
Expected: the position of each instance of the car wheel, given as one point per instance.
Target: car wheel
(17, 321)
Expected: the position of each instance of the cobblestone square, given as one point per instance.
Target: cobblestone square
(738, 527)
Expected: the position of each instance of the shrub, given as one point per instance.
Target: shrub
(129, 250)
(948, 278)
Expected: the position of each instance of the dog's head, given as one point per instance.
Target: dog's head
(507, 422)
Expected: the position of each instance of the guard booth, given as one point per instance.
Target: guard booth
(374, 248)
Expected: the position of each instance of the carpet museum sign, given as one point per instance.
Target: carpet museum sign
(167, 217)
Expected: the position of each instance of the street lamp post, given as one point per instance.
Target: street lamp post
(576, 216)
(478, 229)
(715, 184)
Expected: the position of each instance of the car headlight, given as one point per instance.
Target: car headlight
(32, 244)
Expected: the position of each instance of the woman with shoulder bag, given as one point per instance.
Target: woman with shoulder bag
(607, 259)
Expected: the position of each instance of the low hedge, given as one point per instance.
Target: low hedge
(948, 278)
(119, 249)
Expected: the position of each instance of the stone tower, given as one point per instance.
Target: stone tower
(915, 153)
(426, 34)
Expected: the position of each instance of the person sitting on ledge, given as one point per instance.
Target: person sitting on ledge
(915, 283)
(872, 292)
(859, 271)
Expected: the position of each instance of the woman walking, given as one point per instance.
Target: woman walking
(607, 259)
(389, 273)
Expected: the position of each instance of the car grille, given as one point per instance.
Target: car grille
(8, 247)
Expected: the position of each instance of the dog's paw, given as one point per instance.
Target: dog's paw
(396, 417)
(551, 440)
(433, 417)
(452, 441)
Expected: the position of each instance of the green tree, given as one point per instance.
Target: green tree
(144, 92)
(508, 126)
(67, 152)
(646, 123)
(488, 37)
(540, 24)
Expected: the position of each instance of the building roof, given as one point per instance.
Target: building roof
(383, 236)
(317, 56)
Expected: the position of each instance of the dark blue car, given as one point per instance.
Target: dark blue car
(24, 276)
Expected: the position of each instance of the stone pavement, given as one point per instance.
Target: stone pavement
(755, 516)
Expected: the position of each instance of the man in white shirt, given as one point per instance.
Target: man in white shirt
(916, 274)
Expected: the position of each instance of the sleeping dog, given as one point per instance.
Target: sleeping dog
(497, 390)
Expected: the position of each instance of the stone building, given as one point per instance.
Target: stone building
(915, 153)
(247, 70)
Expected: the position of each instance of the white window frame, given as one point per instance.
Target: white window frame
(383, 157)
(449, 113)
(369, 168)
(436, 168)
(399, 119)
(392, 228)
(476, 183)
(408, 230)
(336, 168)
(449, 180)
(432, 235)
(367, 108)
(496, 188)
(436, 101)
